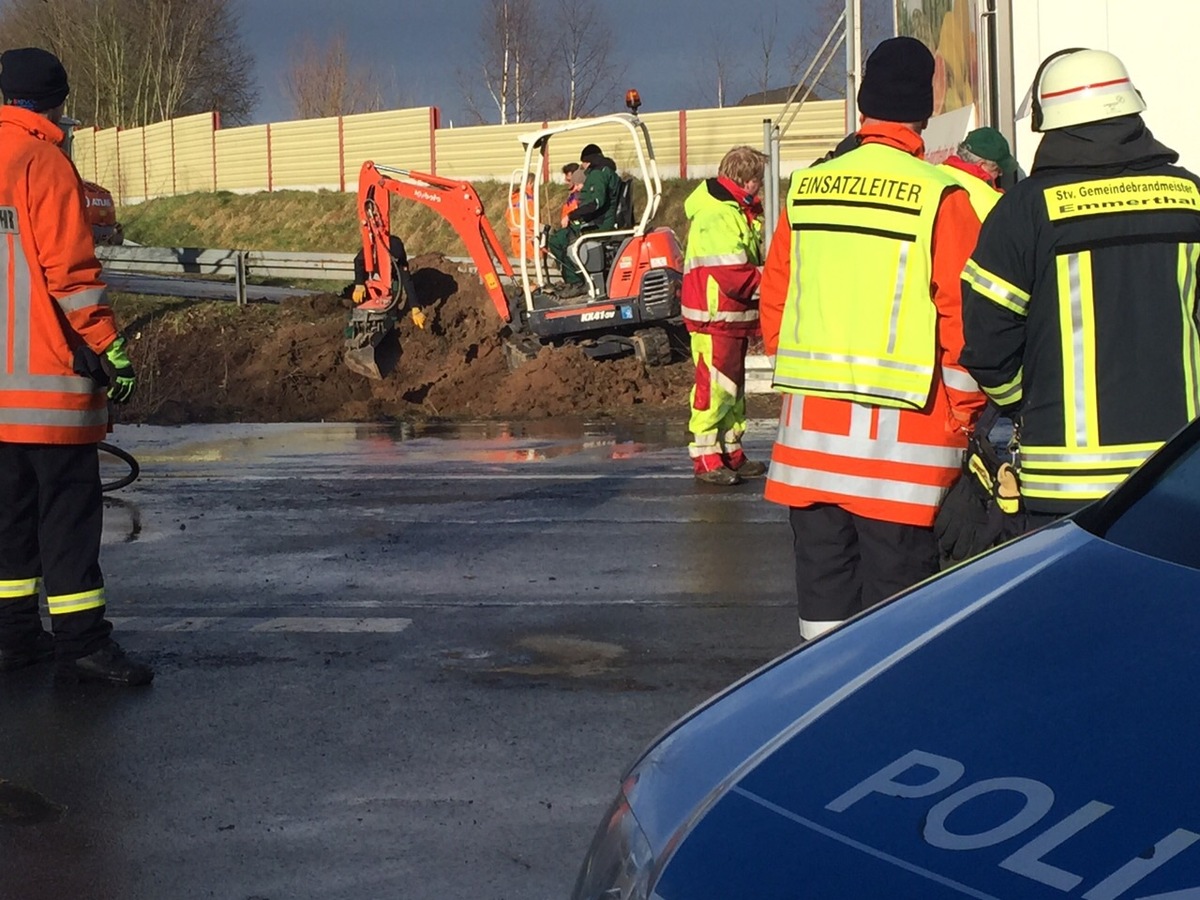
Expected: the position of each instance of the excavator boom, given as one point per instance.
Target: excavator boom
(631, 272)
(455, 201)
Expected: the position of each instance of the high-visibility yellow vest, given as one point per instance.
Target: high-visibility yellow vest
(859, 322)
(983, 195)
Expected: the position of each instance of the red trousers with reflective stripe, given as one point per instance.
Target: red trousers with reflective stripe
(718, 399)
(51, 518)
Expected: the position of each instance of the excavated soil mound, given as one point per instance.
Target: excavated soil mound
(283, 362)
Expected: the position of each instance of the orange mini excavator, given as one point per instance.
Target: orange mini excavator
(632, 272)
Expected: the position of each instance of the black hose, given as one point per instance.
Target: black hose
(126, 458)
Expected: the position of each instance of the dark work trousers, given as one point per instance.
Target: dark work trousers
(558, 243)
(847, 563)
(51, 518)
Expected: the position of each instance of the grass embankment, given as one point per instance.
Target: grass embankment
(326, 221)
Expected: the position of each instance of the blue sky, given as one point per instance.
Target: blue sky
(418, 45)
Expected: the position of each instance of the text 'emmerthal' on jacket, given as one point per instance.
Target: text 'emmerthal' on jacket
(54, 300)
(860, 307)
(1080, 309)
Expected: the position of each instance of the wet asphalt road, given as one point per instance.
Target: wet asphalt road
(390, 663)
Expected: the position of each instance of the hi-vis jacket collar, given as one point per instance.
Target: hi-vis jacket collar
(895, 135)
(35, 123)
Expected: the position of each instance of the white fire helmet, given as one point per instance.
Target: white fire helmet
(1073, 87)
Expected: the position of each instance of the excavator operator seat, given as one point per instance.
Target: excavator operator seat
(593, 256)
(625, 203)
(599, 255)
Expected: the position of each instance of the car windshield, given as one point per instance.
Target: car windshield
(1162, 519)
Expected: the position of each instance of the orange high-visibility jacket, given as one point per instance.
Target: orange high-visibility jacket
(53, 298)
(513, 216)
(881, 463)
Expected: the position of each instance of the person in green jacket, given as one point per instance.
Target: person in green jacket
(597, 211)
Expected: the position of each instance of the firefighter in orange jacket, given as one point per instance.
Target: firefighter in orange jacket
(55, 326)
(860, 309)
(522, 196)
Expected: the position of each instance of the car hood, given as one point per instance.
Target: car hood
(1008, 729)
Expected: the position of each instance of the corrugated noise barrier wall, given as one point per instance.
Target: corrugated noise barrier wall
(194, 153)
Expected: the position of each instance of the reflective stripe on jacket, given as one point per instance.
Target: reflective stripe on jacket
(859, 323)
(873, 461)
(721, 264)
(54, 300)
(1080, 305)
(883, 463)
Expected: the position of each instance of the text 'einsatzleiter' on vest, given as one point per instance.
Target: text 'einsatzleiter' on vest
(859, 323)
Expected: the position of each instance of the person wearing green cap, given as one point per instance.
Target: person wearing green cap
(977, 164)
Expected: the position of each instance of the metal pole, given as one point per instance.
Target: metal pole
(239, 277)
(853, 61)
(1002, 77)
(770, 179)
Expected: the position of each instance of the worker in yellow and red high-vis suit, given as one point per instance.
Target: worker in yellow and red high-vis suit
(55, 325)
(860, 308)
(721, 272)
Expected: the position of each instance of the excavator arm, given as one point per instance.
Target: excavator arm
(454, 201)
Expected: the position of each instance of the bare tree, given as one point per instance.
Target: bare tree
(511, 64)
(877, 24)
(717, 68)
(132, 62)
(766, 31)
(582, 64)
(321, 82)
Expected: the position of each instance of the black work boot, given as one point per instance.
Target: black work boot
(108, 665)
(722, 476)
(745, 467)
(37, 648)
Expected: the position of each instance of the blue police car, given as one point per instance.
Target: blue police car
(1022, 726)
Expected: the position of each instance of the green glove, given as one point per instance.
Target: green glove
(124, 380)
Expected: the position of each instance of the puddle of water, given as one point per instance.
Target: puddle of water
(483, 442)
(22, 806)
(564, 656)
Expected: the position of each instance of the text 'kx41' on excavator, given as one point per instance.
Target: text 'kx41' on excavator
(632, 272)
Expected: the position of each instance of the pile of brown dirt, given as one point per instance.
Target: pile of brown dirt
(210, 362)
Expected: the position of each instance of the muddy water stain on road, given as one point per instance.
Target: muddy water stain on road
(23, 806)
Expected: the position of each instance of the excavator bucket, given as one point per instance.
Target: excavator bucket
(372, 344)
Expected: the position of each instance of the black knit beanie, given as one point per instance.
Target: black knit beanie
(35, 76)
(897, 85)
(589, 150)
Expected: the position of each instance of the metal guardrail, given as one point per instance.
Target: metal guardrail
(236, 265)
(239, 265)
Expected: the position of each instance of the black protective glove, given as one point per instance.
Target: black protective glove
(86, 362)
(962, 523)
(983, 507)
